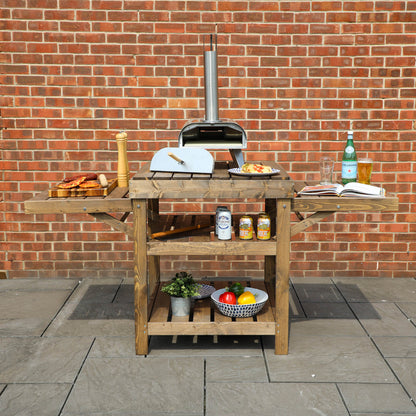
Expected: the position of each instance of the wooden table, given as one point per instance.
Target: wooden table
(147, 189)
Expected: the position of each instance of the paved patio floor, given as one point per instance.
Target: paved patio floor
(67, 349)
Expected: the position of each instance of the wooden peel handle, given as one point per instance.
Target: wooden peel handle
(122, 165)
(178, 230)
(176, 158)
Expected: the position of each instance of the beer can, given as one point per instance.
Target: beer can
(219, 208)
(263, 227)
(246, 228)
(224, 224)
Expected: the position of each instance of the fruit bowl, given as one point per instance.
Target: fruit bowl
(240, 311)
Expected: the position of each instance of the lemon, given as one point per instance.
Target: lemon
(246, 298)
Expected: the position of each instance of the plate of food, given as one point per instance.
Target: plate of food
(254, 169)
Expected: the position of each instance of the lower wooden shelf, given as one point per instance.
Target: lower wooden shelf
(206, 320)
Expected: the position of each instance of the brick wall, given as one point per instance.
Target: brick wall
(295, 74)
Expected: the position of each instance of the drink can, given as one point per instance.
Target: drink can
(219, 208)
(224, 224)
(246, 227)
(263, 227)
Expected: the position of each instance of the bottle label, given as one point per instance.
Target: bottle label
(349, 149)
(349, 169)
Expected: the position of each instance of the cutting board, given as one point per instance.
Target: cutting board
(56, 192)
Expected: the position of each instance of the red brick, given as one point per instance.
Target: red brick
(84, 89)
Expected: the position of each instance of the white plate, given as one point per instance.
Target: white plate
(204, 291)
(237, 171)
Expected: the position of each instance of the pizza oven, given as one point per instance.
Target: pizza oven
(213, 133)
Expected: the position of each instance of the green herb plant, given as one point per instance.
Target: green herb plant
(182, 286)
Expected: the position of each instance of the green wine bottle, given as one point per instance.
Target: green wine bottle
(349, 161)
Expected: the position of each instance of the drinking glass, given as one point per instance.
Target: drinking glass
(326, 165)
(364, 169)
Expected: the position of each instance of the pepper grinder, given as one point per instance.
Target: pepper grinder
(122, 166)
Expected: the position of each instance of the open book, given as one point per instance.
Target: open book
(350, 189)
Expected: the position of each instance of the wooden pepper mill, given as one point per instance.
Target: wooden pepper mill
(123, 166)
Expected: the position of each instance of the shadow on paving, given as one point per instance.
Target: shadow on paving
(105, 302)
(308, 301)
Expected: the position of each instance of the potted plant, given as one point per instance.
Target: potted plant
(181, 289)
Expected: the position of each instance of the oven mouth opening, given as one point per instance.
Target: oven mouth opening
(227, 136)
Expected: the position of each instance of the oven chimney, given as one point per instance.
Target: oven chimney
(213, 133)
(211, 83)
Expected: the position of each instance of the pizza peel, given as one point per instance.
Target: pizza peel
(182, 159)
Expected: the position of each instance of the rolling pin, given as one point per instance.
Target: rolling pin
(122, 165)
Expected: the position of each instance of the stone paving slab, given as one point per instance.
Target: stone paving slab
(408, 308)
(294, 399)
(29, 312)
(376, 398)
(29, 285)
(92, 311)
(327, 328)
(316, 290)
(405, 370)
(41, 360)
(404, 347)
(33, 399)
(329, 359)
(377, 289)
(70, 352)
(138, 386)
(232, 369)
(383, 319)
(327, 310)
(379, 414)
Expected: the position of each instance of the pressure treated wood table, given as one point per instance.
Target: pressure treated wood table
(142, 198)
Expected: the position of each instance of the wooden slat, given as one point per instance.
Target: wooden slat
(141, 270)
(282, 276)
(211, 328)
(318, 203)
(212, 248)
(77, 205)
(255, 188)
(202, 311)
(221, 170)
(118, 192)
(161, 308)
(219, 317)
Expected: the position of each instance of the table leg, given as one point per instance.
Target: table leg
(282, 275)
(270, 261)
(140, 275)
(153, 261)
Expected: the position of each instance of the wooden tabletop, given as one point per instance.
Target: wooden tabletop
(220, 184)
